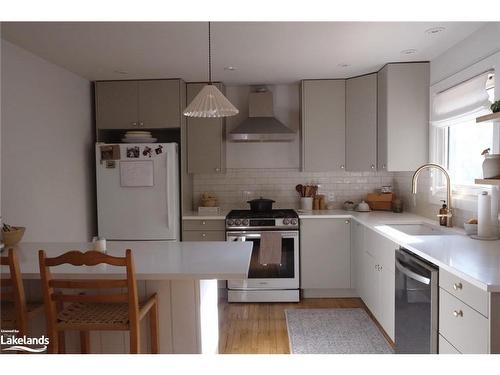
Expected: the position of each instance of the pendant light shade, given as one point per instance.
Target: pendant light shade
(210, 102)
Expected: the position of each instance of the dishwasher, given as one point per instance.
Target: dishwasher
(416, 327)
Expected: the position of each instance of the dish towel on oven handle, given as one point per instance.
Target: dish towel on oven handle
(270, 248)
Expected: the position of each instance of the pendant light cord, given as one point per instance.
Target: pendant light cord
(209, 55)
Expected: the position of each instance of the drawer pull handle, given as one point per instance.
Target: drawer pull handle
(458, 313)
(203, 223)
(457, 286)
(203, 234)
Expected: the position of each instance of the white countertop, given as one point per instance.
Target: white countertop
(475, 261)
(194, 215)
(153, 260)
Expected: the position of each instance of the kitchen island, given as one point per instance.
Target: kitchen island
(183, 274)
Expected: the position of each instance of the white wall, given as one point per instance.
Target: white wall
(47, 132)
(480, 44)
(265, 155)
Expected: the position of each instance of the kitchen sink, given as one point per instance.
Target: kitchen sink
(418, 229)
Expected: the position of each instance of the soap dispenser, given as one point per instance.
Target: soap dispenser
(443, 212)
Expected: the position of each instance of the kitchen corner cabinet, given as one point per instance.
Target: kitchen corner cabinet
(361, 123)
(323, 125)
(206, 147)
(324, 256)
(403, 116)
(144, 104)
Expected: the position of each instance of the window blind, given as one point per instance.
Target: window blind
(461, 103)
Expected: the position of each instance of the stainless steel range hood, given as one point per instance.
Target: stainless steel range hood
(261, 125)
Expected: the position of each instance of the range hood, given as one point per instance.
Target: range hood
(261, 125)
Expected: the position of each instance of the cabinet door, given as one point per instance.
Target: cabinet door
(357, 249)
(369, 281)
(361, 123)
(205, 140)
(159, 104)
(116, 105)
(381, 248)
(386, 309)
(323, 125)
(325, 254)
(382, 120)
(404, 120)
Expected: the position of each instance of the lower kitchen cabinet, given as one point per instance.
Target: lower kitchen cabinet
(325, 257)
(203, 230)
(375, 276)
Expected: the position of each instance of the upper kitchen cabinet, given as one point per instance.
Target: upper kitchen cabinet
(323, 125)
(403, 116)
(159, 103)
(206, 147)
(148, 104)
(361, 123)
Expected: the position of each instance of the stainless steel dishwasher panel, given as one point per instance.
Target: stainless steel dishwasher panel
(416, 328)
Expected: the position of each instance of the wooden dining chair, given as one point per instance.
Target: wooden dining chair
(84, 312)
(15, 311)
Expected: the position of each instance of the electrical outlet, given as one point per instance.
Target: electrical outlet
(331, 196)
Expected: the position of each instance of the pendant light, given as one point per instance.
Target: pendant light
(210, 102)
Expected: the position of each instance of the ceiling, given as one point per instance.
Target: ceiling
(261, 52)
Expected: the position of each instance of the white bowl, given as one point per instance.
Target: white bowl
(470, 229)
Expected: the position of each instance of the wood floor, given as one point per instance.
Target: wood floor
(260, 328)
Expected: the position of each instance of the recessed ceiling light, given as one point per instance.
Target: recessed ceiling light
(410, 51)
(435, 30)
(343, 65)
(121, 72)
(230, 68)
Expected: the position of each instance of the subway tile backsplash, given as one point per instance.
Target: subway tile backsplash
(237, 186)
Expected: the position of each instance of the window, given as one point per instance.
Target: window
(458, 140)
(465, 142)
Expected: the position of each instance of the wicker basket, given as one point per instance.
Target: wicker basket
(14, 236)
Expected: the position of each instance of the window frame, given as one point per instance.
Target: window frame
(464, 196)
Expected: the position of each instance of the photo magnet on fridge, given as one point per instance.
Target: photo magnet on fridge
(147, 151)
(159, 150)
(110, 152)
(133, 152)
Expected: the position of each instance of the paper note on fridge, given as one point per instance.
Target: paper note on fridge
(136, 173)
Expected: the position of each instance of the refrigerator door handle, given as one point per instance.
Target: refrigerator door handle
(167, 188)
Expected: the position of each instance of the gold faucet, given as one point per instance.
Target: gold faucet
(448, 188)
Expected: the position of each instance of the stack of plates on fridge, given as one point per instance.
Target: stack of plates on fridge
(138, 137)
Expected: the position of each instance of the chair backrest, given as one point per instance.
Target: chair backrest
(52, 288)
(14, 289)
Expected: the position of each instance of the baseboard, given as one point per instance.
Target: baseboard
(329, 293)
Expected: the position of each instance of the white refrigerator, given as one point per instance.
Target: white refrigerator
(138, 191)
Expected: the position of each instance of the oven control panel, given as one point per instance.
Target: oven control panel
(289, 223)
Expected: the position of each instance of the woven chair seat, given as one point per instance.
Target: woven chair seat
(94, 314)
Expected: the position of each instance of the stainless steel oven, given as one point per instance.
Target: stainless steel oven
(268, 282)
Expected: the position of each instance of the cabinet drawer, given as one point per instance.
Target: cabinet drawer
(203, 225)
(464, 291)
(463, 327)
(445, 347)
(198, 235)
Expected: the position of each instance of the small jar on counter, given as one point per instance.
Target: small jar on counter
(397, 205)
